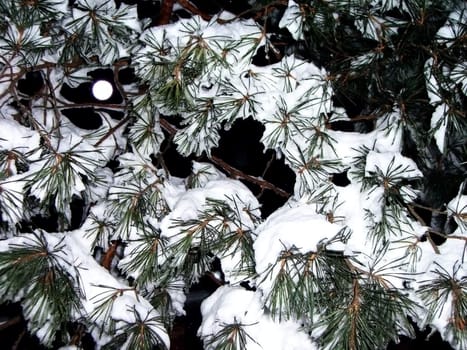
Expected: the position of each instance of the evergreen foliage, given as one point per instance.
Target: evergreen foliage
(374, 89)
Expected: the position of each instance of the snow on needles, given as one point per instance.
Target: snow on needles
(230, 305)
(298, 227)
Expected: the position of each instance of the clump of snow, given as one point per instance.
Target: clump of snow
(234, 305)
(453, 26)
(297, 227)
(14, 136)
(190, 205)
(176, 290)
(439, 118)
(293, 19)
(191, 202)
(12, 199)
(448, 262)
(202, 173)
(457, 208)
(392, 164)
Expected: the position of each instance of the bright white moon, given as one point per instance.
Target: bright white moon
(102, 90)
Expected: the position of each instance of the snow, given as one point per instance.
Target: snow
(204, 173)
(190, 203)
(439, 123)
(453, 26)
(449, 262)
(287, 228)
(439, 118)
(457, 207)
(235, 305)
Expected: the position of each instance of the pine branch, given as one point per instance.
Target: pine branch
(447, 290)
(232, 336)
(257, 12)
(37, 270)
(166, 11)
(235, 173)
(144, 333)
(194, 10)
(112, 130)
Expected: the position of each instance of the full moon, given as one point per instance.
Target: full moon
(102, 90)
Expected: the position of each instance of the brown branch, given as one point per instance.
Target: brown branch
(420, 220)
(17, 343)
(433, 244)
(447, 236)
(10, 322)
(112, 130)
(263, 175)
(109, 255)
(354, 310)
(165, 12)
(97, 105)
(168, 127)
(234, 172)
(194, 10)
(117, 83)
(78, 335)
(53, 100)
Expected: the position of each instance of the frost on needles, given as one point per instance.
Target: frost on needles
(372, 89)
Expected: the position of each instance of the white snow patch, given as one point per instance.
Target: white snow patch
(298, 227)
(235, 305)
(293, 20)
(14, 136)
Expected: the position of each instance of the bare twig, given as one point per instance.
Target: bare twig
(112, 130)
(433, 245)
(268, 165)
(234, 172)
(10, 322)
(447, 236)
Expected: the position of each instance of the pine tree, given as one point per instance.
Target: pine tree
(100, 237)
